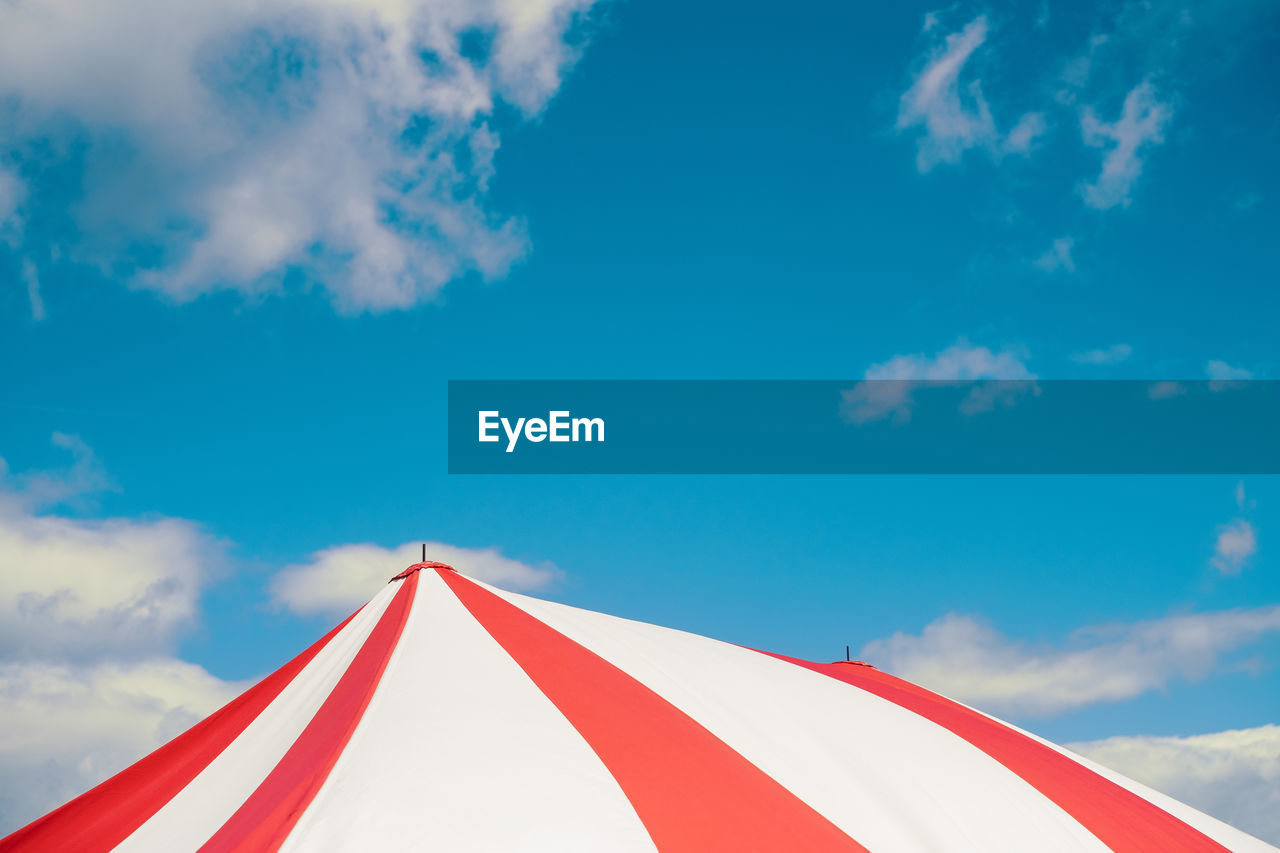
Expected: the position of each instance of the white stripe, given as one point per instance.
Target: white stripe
(460, 751)
(204, 805)
(891, 779)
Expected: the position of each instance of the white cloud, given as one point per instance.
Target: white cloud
(90, 612)
(970, 661)
(32, 280)
(1224, 377)
(953, 121)
(83, 589)
(67, 727)
(339, 579)
(72, 588)
(1141, 124)
(1113, 354)
(230, 142)
(1058, 256)
(1236, 542)
(955, 117)
(1232, 775)
(888, 391)
(1220, 371)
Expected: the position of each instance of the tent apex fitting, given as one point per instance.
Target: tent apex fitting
(417, 567)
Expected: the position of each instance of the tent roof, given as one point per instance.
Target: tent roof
(449, 715)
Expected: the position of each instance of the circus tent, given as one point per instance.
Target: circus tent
(448, 715)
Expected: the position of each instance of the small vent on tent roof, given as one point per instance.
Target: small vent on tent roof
(849, 660)
(417, 567)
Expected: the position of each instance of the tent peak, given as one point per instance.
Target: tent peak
(417, 567)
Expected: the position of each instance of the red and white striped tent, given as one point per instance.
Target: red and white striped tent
(447, 715)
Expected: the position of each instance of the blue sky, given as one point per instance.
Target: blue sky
(242, 270)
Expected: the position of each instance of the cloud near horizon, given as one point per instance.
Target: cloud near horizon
(231, 145)
(69, 726)
(971, 661)
(1220, 371)
(1232, 775)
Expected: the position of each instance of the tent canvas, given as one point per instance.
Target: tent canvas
(446, 714)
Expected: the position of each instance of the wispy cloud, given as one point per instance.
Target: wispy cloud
(1113, 354)
(1024, 135)
(1058, 256)
(969, 660)
(1236, 541)
(12, 193)
(888, 391)
(83, 479)
(339, 579)
(232, 143)
(1126, 141)
(1235, 544)
(1232, 775)
(31, 279)
(952, 116)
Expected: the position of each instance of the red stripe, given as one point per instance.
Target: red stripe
(101, 818)
(264, 821)
(690, 789)
(1122, 820)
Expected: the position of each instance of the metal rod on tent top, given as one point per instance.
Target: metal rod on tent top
(846, 648)
(424, 552)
